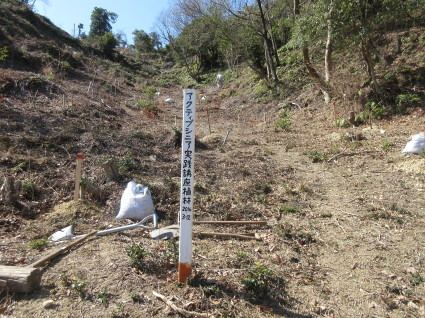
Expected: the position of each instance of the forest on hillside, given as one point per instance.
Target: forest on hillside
(285, 42)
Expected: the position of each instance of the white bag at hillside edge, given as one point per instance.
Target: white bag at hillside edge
(136, 202)
(416, 145)
(64, 234)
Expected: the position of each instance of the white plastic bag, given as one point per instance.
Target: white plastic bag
(416, 145)
(64, 234)
(136, 202)
(219, 80)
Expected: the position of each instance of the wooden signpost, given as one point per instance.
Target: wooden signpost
(186, 189)
(78, 177)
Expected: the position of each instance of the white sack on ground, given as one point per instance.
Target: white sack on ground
(64, 234)
(416, 145)
(136, 202)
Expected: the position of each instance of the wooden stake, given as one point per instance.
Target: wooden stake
(231, 222)
(208, 118)
(78, 176)
(229, 235)
(229, 129)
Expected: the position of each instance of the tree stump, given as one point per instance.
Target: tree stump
(111, 170)
(8, 191)
(352, 118)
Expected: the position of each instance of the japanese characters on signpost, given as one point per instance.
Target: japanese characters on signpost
(186, 189)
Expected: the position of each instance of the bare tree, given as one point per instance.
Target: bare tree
(31, 3)
(256, 14)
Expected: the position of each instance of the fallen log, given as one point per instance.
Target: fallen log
(19, 279)
(27, 278)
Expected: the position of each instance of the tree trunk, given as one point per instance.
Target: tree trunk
(320, 82)
(273, 38)
(296, 7)
(367, 56)
(328, 50)
(267, 44)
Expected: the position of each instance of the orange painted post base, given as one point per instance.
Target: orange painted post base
(185, 269)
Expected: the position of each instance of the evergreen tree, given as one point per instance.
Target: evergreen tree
(143, 42)
(101, 21)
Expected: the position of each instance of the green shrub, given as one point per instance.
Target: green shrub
(240, 260)
(317, 156)
(107, 43)
(258, 279)
(20, 167)
(386, 145)
(177, 136)
(284, 121)
(148, 107)
(341, 122)
(416, 279)
(80, 287)
(3, 53)
(38, 244)
(127, 163)
(288, 209)
(137, 255)
(103, 296)
(362, 117)
(261, 89)
(407, 100)
(376, 110)
(28, 189)
(172, 250)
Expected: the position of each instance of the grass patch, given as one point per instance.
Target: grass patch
(288, 209)
(317, 156)
(39, 244)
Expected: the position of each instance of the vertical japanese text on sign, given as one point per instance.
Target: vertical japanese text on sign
(187, 176)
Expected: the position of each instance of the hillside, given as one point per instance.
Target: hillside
(344, 207)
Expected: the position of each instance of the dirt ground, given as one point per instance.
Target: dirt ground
(344, 207)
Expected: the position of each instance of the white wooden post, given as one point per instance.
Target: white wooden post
(78, 176)
(186, 188)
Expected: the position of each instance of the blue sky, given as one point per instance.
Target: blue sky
(132, 14)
